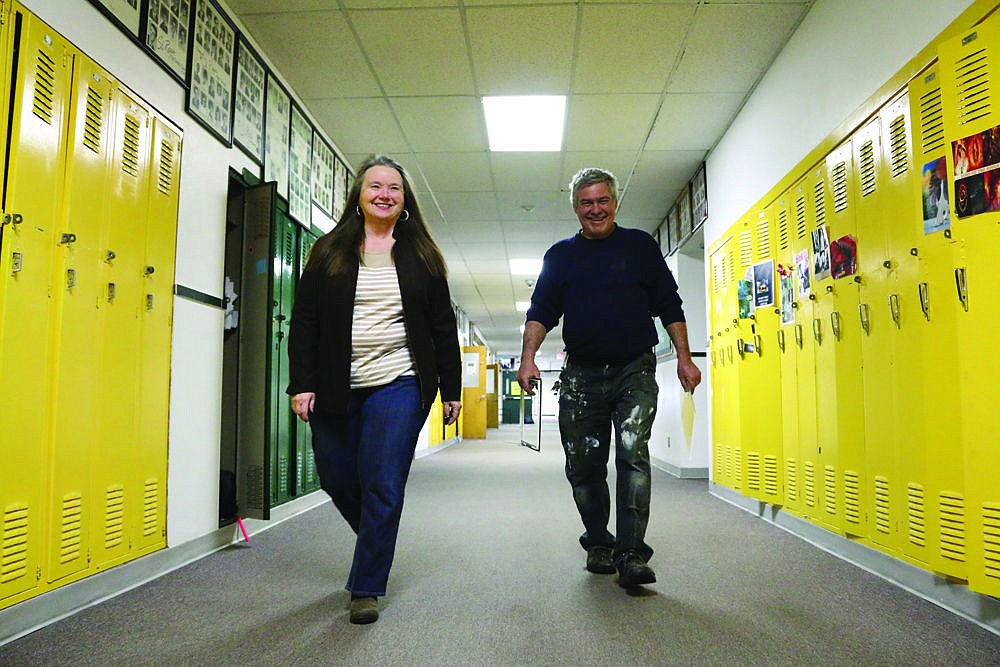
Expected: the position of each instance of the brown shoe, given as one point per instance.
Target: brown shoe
(364, 610)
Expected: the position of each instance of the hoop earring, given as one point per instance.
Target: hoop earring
(406, 216)
(358, 210)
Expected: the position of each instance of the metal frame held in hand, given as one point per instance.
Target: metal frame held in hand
(537, 383)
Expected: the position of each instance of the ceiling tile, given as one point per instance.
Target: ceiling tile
(442, 124)
(460, 208)
(457, 172)
(693, 121)
(526, 171)
(591, 128)
(361, 126)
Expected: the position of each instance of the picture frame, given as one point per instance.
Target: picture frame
(211, 68)
(699, 198)
(323, 172)
(663, 236)
(341, 184)
(684, 213)
(674, 227)
(248, 103)
(126, 14)
(166, 35)
(277, 133)
(300, 168)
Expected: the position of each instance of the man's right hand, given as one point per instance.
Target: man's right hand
(527, 372)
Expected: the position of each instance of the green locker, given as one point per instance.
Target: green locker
(28, 271)
(282, 420)
(306, 476)
(968, 66)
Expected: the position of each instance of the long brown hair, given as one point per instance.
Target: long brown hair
(339, 251)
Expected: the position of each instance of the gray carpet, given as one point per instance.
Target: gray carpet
(488, 572)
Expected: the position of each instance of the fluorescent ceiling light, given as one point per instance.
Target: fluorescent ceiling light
(525, 122)
(522, 306)
(525, 267)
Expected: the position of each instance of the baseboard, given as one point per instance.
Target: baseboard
(424, 453)
(983, 610)
(42, 610)
(679, 471)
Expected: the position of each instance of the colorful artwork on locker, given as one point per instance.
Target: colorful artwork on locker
(744, 293)
(786, 282)
(934, 190)
(844, 257)
(977, 173)
(763, 284)
(803, 273)
(821, 253)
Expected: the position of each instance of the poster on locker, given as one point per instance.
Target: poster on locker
(821, 253)
(786, 285)
(744, 295)
(763, 284)
(844, 257)
(934, 191)
(803, 274)
(977, 173)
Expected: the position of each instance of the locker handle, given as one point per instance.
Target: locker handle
(835, 324)
(781, 339)
(798, 335)
(149, 302)
(894, 308)
(739, 347)
(818, 330)
(756, 342)
(112, 290)
(15, 262)
(70, 278)
(280, 318)
(963, 288)
(925, 300)
(865, 322)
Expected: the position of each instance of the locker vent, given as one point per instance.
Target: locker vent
(150, 507)
(94, 122)
(809, 481)
(763, 239)
(14, 546)
(283, 474)
(114, 516)
(130, 149)
(753, 471)
(791, 481)
(820, 191)
(882, 522)
(830, 490)
(991, 539)
(729, 465)
(899, 156)
(255, 487)
(952, 520)
(289, 247)
(931, 123)
(852, 497)
(916, 521)
(746, 248)
(737, 468)
(716, 269)
(45, 78)
(71, 532)
(839, 187)
(719, 459)
(165, 182)
(801, 230)
(866, 171)
(783, 240)
(771, 476)
(972, 79)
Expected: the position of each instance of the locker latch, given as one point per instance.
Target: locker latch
(15, 262)
(963, 288)
(756, 342)
(865, 322)
(110, 256)
(835, 324)
(781, 339)
(112, 290)
(67, 238)
(818, 330)
(149, 270)
(798, 335)
(12, 219)
(894, 308)
(149, 302)
(70, 278)
(925, 300)
(740, 347)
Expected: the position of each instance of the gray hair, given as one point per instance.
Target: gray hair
(591, 176)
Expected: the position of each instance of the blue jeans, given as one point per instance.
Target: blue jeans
(592, 400)
(363, 459)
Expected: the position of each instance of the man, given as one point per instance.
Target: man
(607, 283)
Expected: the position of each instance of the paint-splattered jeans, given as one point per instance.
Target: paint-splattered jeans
(591, 400)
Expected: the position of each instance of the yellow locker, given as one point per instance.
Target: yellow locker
(78, 305)
(759, 369)
(116, 456)
(721, 357)
(968, 64)
(935, 529)
(156, 324)
(474, 391)
(27, 270)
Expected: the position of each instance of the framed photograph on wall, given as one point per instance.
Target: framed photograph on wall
(277, 132)
(684, 212)
(248, 106)
(674, 227)
(699, 198)
(341, 184)
(323, 167)
(300, 169)
(210, 73)
(166, 34)
(123, 13)
(663, 237)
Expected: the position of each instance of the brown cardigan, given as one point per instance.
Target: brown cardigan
(319, 343)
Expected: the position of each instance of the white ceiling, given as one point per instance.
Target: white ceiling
(651, 88)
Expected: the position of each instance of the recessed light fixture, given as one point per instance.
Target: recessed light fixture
(525, 267)
(525, 122)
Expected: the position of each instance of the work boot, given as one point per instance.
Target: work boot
(364, 610)
(633, 571)
(599, 560)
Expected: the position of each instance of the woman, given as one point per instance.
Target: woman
(373, 336)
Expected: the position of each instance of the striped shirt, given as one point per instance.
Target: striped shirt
(379, 353)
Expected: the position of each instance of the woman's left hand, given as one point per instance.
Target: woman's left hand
(451, 411)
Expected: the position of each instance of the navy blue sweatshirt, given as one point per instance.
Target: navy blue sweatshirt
(607, 291)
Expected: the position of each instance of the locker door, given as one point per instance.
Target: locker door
(115, 456)
(155, 322)
(968, 68)
(32, 199)
(717, 259)
(78, 308)
(935, 529)
(282, 426)
(738, 254)
(306, 476)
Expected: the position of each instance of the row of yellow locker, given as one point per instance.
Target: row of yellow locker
(86, 277)
(851, 319)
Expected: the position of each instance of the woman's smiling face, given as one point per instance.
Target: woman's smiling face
(381, 194)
